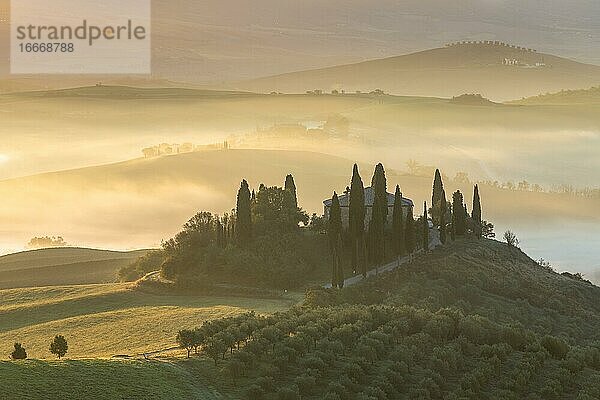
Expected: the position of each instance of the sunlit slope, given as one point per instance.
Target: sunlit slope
(62, 266)
(106, 320)
(444, 72)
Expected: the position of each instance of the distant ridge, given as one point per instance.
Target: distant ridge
(61, 255)
(63, 266)
(123, 92)
(564, 97)
(498, 71)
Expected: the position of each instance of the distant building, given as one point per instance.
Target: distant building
(407, 205)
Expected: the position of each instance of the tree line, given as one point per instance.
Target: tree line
(263, 242)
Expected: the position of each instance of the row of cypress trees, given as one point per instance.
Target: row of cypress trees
(367, 244)
(457, 211)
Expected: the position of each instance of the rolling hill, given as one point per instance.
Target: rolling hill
(473, 319)
(110, 319)
(566, 97)
(124, 92)
(215, 42)
(473, 138)
(147, 200)
(62, 266)
(444, 72)
(99, 322)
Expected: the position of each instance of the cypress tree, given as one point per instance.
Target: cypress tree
(443, 217)
(378, 215)
(243, 227)
(290, 202)
(437, 201)
(459, 223)
(290, 187)
(334, 233)
(425, 229)
(219, 232)
(409, 236)
(398, 223)
(476, 214)
(356, 221)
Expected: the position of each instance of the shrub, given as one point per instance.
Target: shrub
(19, 352)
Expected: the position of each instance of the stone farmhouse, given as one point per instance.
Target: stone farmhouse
(407, 205)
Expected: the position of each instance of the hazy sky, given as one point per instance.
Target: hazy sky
(212, 41)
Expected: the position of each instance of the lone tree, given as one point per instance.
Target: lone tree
(378, 215)
(398, 223)
(459, 217)
(356, 221)
(511, 239)
(19, 352)
(186, 340)
(409, 235)
(243, 228)
(425, 229)
(59, 346)
(438, 199)
(334, 232)
(476, 213)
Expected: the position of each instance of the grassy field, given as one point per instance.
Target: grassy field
(62, 266)
(107, 320)
(100, 379)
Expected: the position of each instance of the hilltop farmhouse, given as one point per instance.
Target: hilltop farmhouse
(407, 205)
